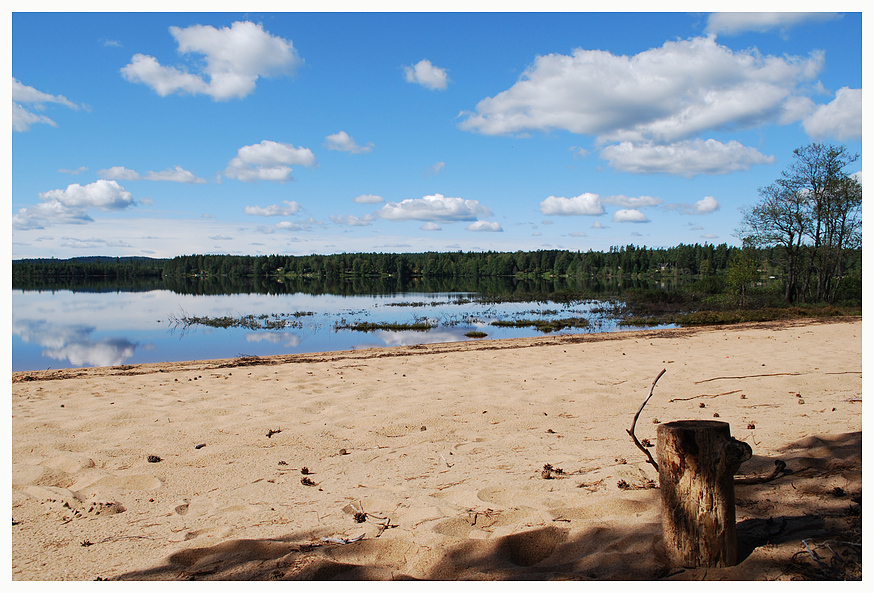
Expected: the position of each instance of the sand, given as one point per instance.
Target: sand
(433, 456)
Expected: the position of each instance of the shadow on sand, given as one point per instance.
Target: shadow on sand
(804, 525)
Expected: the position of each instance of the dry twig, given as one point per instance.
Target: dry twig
(634, 423)
(745, 377)
(681, 399)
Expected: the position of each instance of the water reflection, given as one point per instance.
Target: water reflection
(65, 328)
(73, 343)
(286, 339)
(412, 338)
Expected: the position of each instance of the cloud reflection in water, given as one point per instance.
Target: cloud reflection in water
(73, 343)
(286, 339)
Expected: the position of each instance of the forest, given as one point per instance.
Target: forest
(718, 268)
(630, 260)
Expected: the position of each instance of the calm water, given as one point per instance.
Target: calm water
(64, 329)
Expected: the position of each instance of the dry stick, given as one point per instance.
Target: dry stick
(681, 399)
(634, 423)
(746, 377)
(814, 555)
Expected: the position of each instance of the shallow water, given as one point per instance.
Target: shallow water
(63, 329)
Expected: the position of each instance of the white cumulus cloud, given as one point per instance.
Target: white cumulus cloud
(119, 173)
(102, 194)
(705, 205)
(432, 208)
(71, 205)
(485, 226)
(352, 220)
(233, 58)
(687, 158)
(426, 74)
(77, 171)
(841, 119)
(629, 215)
(268, 161)
(23, 117)
(368, 199)
(21, 93)
(735, 23)
(176, 173)
(344, 143)
(291, 207)
(630, 202)
(286, 225)
(661, 95)
(583, 204)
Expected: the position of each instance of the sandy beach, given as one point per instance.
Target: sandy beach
(427, 462)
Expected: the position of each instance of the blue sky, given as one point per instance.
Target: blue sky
(160, 134)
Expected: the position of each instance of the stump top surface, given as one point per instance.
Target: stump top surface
(693, 424)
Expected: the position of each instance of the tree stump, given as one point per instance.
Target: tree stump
(697, 462)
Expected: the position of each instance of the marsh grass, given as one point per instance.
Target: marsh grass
(543, 325)
(368, 326)
(275, 321)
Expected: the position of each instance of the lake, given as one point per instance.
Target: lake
(65, 328)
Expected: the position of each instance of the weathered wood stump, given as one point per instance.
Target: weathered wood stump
(697, 461)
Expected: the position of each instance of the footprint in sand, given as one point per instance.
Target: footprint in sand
(72, 463)
(471, 448)
(24, 475)
(478, 524)
(71, 505)
(110, 482)
(499, 495)
(58, 471)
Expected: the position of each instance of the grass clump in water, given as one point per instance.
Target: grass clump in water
(476, 334)
(543, 325)
(367, 326)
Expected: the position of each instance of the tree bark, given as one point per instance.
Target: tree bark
(697, 462)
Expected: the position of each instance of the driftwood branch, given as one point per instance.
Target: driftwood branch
(630, 432)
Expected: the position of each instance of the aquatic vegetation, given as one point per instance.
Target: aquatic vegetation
(274, 321)
(409, 304)
(544, 325)
(369, 326)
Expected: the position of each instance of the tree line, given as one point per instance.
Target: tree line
(683, 259)
(356, 273)
(628, 260)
